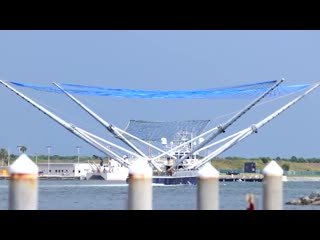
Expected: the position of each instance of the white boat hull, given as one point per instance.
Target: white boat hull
(112, 174)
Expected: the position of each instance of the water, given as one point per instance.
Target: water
(97, 195)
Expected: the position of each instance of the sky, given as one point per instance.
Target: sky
(158, 60)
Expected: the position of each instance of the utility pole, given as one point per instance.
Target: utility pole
(49, 147)
(78, 152)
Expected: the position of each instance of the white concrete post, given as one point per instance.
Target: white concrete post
(140, 186)
(208, 188)
(23, 189)
(272, 187)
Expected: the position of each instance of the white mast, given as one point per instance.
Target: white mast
(252, 129)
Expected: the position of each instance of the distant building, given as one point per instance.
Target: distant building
(64, 169)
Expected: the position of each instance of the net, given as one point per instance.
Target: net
(154, 131)
(240, 91)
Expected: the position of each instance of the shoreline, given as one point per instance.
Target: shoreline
(302, 179)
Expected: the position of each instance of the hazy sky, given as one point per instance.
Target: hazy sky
(158, 60)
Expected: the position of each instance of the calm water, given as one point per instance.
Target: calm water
(97, 195)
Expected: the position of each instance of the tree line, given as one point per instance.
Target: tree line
(268, 159)
(5, 157)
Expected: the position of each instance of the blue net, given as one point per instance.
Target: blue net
(240, 91)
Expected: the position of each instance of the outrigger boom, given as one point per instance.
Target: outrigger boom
(252, 129)
(72, 128)
(221, 128)
(112, 129)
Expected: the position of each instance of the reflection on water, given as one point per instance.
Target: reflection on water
(97, 195)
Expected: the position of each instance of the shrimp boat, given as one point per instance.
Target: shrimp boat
(179, 161)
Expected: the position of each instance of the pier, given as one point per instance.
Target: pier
(49, 177)
(241, 178)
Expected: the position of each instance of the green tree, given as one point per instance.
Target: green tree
(4, 156)
(285, 167)
(23, 149)
(265, 160)
(294, 159)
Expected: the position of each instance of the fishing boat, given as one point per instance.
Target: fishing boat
(176, 163)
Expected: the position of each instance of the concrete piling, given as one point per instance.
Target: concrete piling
(23, 188)
(140, 186)
(272, 187)
(208, 188)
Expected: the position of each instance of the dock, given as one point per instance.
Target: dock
(49, 177)
(59, 178)
(241, 178)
